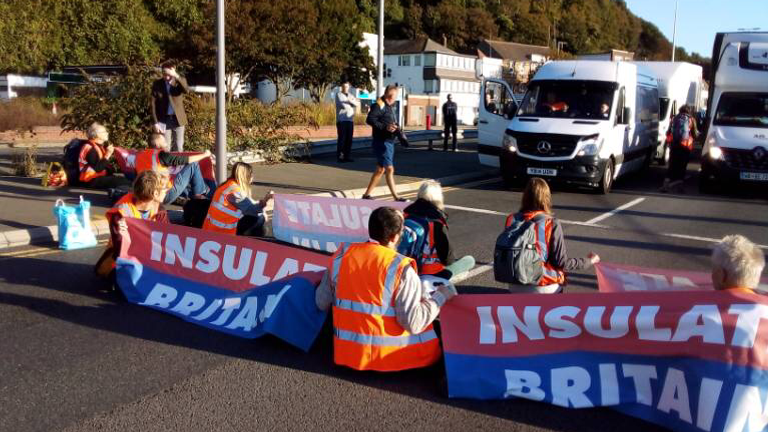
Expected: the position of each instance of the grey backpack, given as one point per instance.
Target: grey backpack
(515, 258)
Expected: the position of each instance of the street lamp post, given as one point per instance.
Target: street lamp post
(380, 53)
(674, 32)
(221, 101)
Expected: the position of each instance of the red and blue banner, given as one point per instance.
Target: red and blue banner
(623, 278)
(323, 223)
(238, 285)
(688, 362)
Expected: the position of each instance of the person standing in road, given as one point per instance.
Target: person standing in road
(382, 318)
(450, 121)
(381, 118)
(167, 106)
(683, 133)
(346, 105)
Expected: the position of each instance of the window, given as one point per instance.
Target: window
(417, 60)
(647, 104)
(431, 86)
(569, 99)
(498, 100)
(405, 60)
(742, 109)
(430, 60)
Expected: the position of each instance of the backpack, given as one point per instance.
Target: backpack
(70, 160)
(515, 258)
(413, 239)
(681, 128)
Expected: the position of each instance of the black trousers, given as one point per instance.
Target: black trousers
(344, 131)
(109, 182)
(251, 226)
(450, 127)
(678, 162)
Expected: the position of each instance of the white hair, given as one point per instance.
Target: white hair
(431, 191)
(742, 261)
(97, 131)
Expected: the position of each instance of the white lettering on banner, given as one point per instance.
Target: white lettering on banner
(348, 216)
(569, 387)
(634, 281)
(703, 322)
(246, 318)
(314, 244)
(234, 262)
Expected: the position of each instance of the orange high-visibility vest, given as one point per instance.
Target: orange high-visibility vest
(126, 207)
(430, 262)
(223, 216)
(87, 173)
(367, 335)
(543, 235)
(149, 160)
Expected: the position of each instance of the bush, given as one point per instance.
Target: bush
(25, 164)
(324, 114)
(24, 113)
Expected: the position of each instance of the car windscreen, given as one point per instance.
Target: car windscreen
(663, 106)
(742, 109)
(569, 99)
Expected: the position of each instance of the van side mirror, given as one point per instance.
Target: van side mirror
(626, 114)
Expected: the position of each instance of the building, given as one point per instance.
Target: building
(612, 55)
(12, 86)
(428, 72)
(520, 61)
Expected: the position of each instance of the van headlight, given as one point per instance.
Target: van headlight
(715, 153)
(590, 146)
(509, 143)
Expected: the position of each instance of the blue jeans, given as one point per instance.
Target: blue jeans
(190, 177)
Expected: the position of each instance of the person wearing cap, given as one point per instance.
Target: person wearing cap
(450, 110)
(737, 264)
(167, 106)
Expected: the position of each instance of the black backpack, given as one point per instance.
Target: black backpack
(515, 258)
(70, 160)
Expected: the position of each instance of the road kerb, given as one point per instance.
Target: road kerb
(48, 234)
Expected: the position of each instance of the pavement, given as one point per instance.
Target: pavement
(74, 359)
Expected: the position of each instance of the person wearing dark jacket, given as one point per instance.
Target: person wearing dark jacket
(94, 161)
(381, 118)
(167, 106)
(437, 258)
(537, 200)
(450, 112)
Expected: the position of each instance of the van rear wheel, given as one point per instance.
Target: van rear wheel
(607, 179)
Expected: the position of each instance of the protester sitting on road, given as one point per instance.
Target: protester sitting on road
(232, 210)
(437, 257)
(145, 202)
(96, 169)
(737, 264)
(190, 178)
(382, 318)
(537, 205)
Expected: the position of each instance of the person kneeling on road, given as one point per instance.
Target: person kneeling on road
(232, 211)
(536, 206)
(382, 319)
(158, 158)
(737, 264)
(436, 256)
(145, 202)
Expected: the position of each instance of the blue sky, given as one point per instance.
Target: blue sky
(699, 20)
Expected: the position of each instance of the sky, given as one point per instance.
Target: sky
(699, 20)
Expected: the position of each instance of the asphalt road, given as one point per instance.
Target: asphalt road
(72, 358)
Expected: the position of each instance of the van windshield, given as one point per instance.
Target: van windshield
(569, 99)
(742, 109)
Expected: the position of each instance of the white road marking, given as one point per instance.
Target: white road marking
(472, 273)
(476, 210)
(616, 210)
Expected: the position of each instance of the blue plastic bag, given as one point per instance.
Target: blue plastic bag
(74, 225)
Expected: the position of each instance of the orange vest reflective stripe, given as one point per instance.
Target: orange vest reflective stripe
(87, 173)
(367, 335)
(223, 216)
(557, 106)
(149, 160)
(543, 237)
(430, 262)
(126, 207)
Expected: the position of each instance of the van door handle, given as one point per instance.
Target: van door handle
(484, 121)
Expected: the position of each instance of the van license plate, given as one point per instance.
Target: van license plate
(751, 176)
(542, 171)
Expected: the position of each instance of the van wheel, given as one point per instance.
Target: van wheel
(607, 180)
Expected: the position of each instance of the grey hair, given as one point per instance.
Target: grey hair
(431, 191)
(97, 131)
(742, 260)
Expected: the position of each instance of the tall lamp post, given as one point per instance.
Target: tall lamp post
(380, 52)
(674, 32)
(221, 101)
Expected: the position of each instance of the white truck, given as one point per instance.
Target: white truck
(736, 144)
(580, 122)
(680, 84)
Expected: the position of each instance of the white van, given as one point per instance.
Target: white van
(680, 84)
(736, 146)
(580, 122)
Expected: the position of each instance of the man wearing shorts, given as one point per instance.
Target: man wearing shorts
(385, 130)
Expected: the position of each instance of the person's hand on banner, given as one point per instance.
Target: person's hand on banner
(122, 228)
(444, 293)
(593, 258)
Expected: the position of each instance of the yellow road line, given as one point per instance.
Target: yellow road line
(36, 251)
